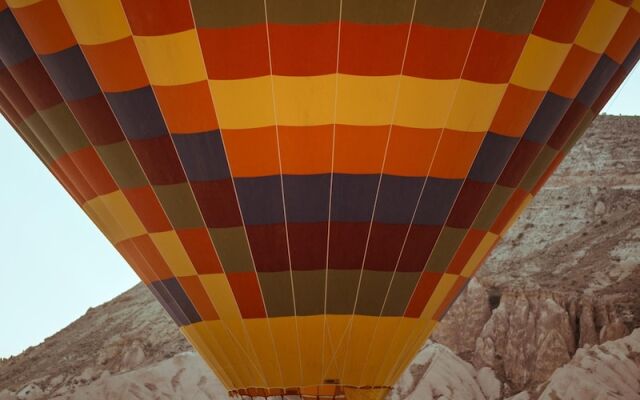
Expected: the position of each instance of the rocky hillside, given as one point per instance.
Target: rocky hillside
(548, 317)
(129, 332)
(582, 232)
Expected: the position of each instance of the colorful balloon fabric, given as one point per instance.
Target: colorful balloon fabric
(307, 185)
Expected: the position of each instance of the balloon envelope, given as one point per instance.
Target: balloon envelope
(306, 186)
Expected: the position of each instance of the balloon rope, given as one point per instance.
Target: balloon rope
(325, 326)
(349, 328)
(284, 203)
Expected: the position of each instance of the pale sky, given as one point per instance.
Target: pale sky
(54, 262)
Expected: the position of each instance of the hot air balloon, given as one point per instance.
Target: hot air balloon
(307, 185)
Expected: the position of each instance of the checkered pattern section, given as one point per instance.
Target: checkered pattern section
(306, 186)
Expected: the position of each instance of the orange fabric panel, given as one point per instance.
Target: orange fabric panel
(625, 37)
(116, 65)
(516, 111)
(94, 171)
(187, 108)
(456, 153)
(198, 246)
(306, 150)
(252, 152)
(169, 16)
(410, 151)
(152, 256)
(198, 296)
(45, 26)
(146, 205)
(574, 72)
(359, 149)
(422, 294)
(246, 290)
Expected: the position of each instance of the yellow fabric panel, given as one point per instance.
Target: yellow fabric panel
(539, 63)
(311, 329)
(600, 25)
(475, 105)
(336, 326)
(202, 342)
(305, 100)
(285, 336)
(439, 294)
(243, 103)
(411, 351)
(119, 219)
(386, 331)
(221, 296)
(237, 330)
(96, 21)
(414, 343)
(260, 333)
(237, 358)
(424, 103)
(365, 100)
(636, 5)
(361, 100)
(173, 252)
(357, 347)
(476, 258)
(395, 346)
(365, 394)
(21, 3)
(394, 361)
(516, 215)
(173, 59)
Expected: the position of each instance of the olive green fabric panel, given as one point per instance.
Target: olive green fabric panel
(232, 248)
(341, 290)
(492, 207)
(309, 291)
(177, 201)
(227, 13)
(445, 248)
(122, 164)
(377, 11)
(42, 132)
(538, 168)
(64, 125)
(510, 16)
(402, 287)
(277, 293)
(301, 12)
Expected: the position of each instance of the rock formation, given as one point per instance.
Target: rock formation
(465, 320)
(608, 371)
(438, 373)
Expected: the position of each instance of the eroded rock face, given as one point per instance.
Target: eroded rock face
(527, 337)
(588, 333)
(465, 320)
(615, 330)
(608, 371)
(533, 332)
